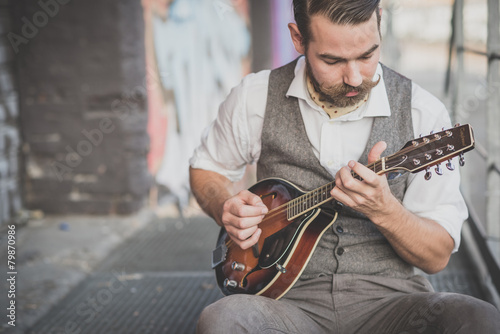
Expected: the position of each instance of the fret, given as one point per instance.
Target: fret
(308, 201)
(317, 197)
(295, 207)
(321, 195)
(297, 204)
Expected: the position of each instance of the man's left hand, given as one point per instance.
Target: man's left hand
(371, 196)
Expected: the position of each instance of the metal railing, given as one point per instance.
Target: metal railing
(486, 234)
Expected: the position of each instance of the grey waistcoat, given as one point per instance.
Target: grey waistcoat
(353, 244)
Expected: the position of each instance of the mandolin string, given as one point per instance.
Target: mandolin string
(299, 201)
(303, 198)
(377, 165)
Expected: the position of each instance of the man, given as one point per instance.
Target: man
(337, 106)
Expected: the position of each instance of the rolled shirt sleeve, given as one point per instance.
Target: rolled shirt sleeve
(233, 140)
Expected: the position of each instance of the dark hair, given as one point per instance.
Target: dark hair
(343, 12)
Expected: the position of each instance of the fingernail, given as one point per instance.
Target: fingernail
(351, 164)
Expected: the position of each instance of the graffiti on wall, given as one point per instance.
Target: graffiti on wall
(197, 50)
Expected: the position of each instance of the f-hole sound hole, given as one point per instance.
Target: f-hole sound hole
(273, 195)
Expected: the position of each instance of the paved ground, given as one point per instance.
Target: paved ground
(159, 280)
(148, 273)
(53, 254)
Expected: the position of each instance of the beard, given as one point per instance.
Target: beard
(336, 94)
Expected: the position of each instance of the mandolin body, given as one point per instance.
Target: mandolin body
(284, 248)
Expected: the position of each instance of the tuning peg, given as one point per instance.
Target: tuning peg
(457, 125)
(450, 165)
(438, 170)
(428, 174)
(461, 161)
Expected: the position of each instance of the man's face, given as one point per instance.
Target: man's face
(342, 59)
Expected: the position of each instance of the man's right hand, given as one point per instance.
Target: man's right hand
(241, 215)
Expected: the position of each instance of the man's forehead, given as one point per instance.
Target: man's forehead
(333, 38)
(321, 23)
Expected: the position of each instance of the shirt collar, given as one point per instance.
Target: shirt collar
(376, 106)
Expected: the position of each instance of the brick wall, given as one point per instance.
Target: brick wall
(9, 134)
(82, 75)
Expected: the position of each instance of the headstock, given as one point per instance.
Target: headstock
(422, 153)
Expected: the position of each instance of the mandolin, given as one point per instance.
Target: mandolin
(297, 219)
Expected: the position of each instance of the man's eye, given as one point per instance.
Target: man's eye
(331, 62)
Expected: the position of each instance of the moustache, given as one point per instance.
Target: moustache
(341, 90)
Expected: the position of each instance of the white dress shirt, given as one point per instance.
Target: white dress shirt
(233, 140)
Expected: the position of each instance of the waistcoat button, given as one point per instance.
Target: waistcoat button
(340, 251)
(339, 229)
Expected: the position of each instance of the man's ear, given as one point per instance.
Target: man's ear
(296, 38)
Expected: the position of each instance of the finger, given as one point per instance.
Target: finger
(250, 198)
(341, 196)
(253, 202)
(369, 177)
(244, 238)
(240, 235)
(345, 179)
(238, 208)
(340, 192)
(376, 151)
(243, 211)
(241, 223)
(251, 241)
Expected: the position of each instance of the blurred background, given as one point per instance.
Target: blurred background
(103, 102)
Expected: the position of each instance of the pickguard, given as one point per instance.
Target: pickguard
(277, 245)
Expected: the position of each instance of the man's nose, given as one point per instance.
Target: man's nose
(352, 75)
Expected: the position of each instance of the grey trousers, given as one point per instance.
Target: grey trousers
(352, 304)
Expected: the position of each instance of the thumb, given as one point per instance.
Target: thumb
(251, 198)
(376, 151)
